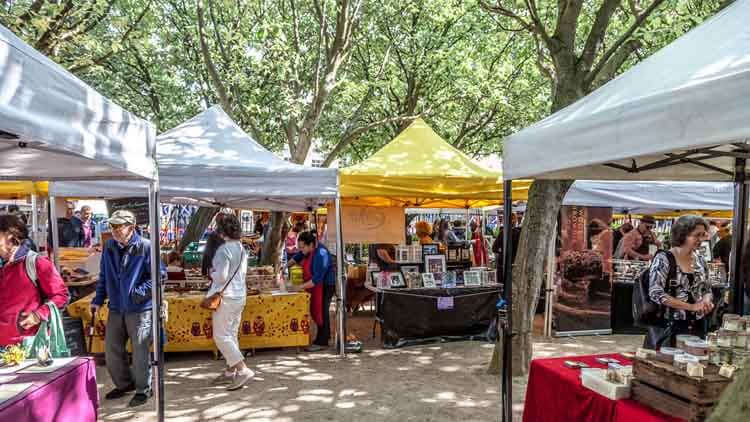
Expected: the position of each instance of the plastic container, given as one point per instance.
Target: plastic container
(742, 340)
(295, 275)
(681, 361)
(696, 348)
(681, 339)
(595, 380)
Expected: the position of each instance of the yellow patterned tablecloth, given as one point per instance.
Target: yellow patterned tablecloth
(267, 321)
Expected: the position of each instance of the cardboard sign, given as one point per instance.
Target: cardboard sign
(370, 225)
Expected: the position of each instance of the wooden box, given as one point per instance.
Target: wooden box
(672, 391)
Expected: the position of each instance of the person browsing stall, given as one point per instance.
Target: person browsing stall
(320, 278)
(125, 279)
(687, 298)
(635, 245)
(23, 302)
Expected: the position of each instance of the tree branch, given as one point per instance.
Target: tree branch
(210, 67)
(639, 21)
(614, 64)
(597, 33)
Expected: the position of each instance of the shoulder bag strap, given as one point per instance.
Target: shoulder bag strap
(242, 257)
(30, 263)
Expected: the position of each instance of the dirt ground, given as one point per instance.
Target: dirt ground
(438, 382)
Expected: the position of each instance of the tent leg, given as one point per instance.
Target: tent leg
(55, 234)
(156, 297)
(550, 282)
(34, 220)
(507, 373)
(739, 225)
(340, 281)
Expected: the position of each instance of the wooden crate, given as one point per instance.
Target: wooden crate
(665, 376)
(668, 403)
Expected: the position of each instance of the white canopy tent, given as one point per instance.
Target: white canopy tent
(681, 114)
(210, 160)
(55, 127)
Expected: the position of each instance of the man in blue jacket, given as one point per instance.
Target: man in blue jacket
(323, 268)
(125, 279)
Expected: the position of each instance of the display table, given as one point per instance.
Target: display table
(409, 316)
(278, 320)
(67, 394)
(555, 394)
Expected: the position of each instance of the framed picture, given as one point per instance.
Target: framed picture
(453, 255)
(375, 278)
(434, 264)
(430, 249)
(439, 277)
(465, 254)
(428, 280)
(402, 254)
(397, 280)
(472, 278)
(406, 269)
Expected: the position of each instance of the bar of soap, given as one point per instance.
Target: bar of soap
(727, 371)
(695, 369)
(642, 353)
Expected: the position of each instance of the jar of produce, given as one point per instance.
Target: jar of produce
(733, 322)
(696, 348)
(714, 358)
(725, 355)
(741, 342)
(712, 339)
(741, 359)
(681, 361)
(681, 339)
(727, 338)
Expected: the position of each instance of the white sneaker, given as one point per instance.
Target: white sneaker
(240, 379)
(223, 378)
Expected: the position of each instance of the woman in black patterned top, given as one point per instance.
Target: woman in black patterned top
(688, 298)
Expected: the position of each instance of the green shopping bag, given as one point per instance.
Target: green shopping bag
(51, 336)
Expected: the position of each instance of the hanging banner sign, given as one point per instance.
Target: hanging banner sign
(370, 225)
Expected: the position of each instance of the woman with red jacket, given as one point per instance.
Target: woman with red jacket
(22, 303)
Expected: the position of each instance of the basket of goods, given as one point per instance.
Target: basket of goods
(580, 264)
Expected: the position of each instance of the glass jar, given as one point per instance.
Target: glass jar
(712, 339)
(733, 322)
(741, 341)
(696, 348)
(725, 355)
(714, 357)
(727, 338)
(741, 359)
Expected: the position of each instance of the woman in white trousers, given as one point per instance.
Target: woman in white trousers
(228, 271)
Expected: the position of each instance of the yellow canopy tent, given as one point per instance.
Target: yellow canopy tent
(420, 169)
(16, 190)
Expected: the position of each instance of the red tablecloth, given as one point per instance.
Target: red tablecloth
(555, 394)
(68, 394)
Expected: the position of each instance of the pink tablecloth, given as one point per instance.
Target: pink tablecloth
(68, 394)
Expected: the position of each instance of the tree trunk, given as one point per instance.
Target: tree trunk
(197, 225)
(545, 199)
(271, 253)
(735, 402)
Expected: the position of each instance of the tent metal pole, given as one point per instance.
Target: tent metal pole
(341, 280)
(55, 235)
(739, 225)
(156, 297)
(507, 372)
(550, 282)
(34, 220)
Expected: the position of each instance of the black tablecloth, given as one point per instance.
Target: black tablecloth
(411, 316)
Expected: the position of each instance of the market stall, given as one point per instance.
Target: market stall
(418, 169)
(693, 97)
(209, 160)
(72, 135)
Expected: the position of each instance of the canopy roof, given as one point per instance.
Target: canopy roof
(209, 159)
(418, 168)
(54, 126)
(22, 189)
(681, 114)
